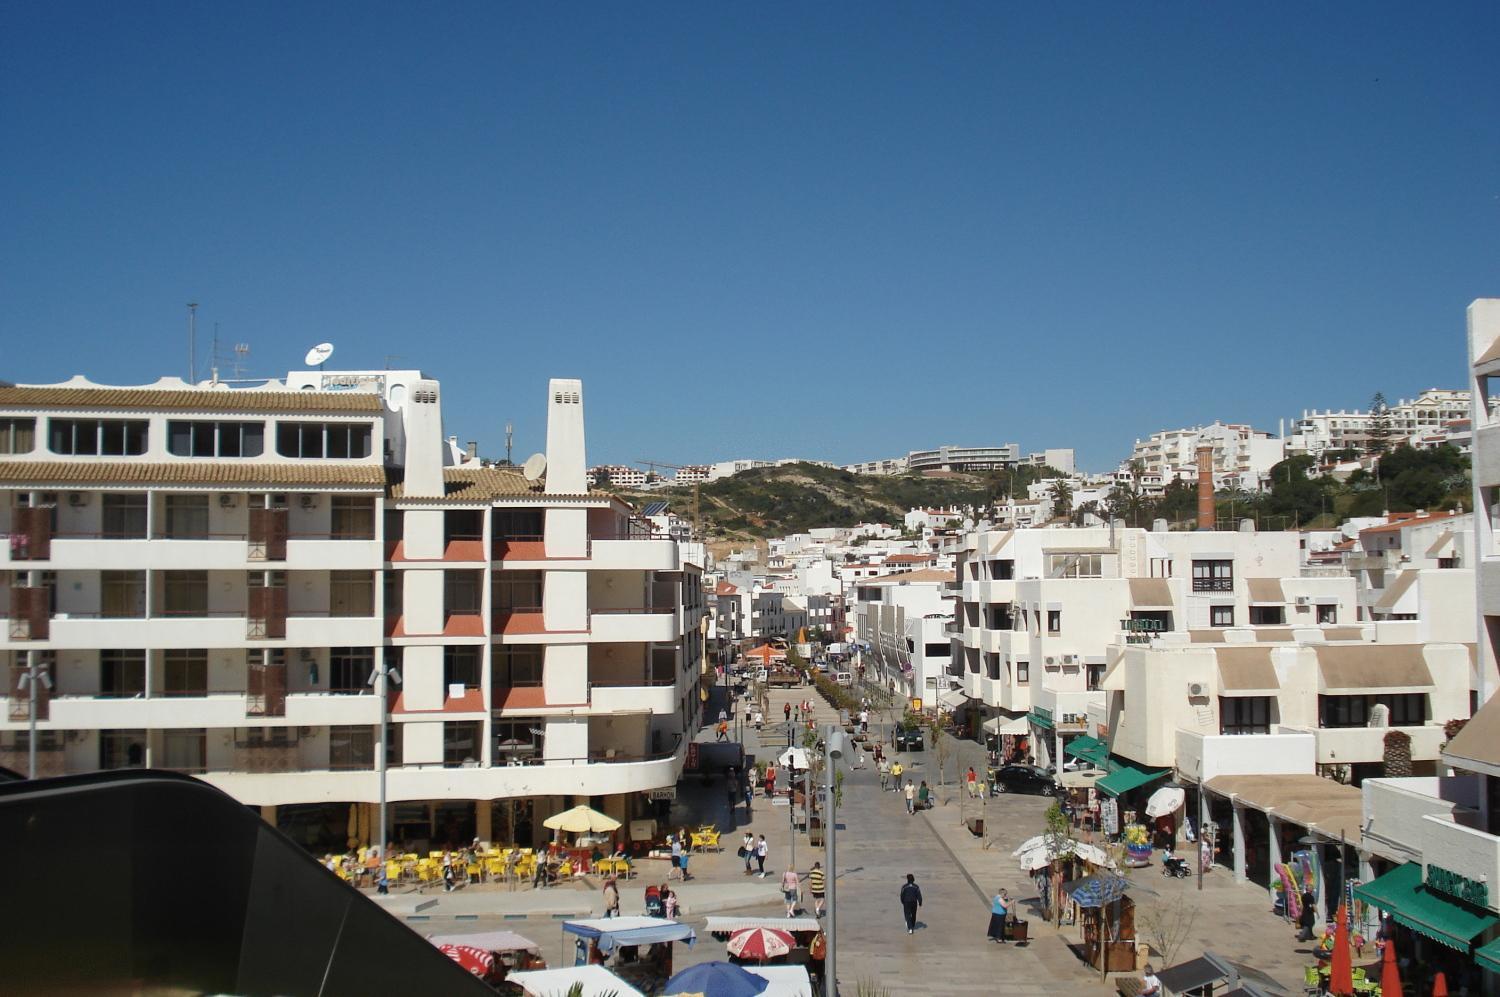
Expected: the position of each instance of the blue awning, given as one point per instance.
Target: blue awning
(612, 931)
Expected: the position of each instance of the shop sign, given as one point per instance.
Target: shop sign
(1042, 712)
(668, 793)
(1462, 887)
(916, 706)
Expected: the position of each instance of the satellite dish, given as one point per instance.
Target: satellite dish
(318, 355)
(535, 468)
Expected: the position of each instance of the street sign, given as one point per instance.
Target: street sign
(780, 801)
(916, 705)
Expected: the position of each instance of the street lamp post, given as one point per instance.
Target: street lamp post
(380, 678)
(28, 682)
(830, 967)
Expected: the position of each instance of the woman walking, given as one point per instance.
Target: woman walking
(791, 889)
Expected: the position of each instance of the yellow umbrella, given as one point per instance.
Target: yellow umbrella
(580, 820)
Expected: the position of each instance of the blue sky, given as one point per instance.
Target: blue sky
(840, 231)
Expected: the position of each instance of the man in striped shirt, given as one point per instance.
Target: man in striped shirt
(817, 883)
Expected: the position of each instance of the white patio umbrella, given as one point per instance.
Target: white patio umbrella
(793, 758)
(581, 820)
(1167, 800)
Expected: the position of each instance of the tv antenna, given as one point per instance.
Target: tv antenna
(318, 355)
(233, 362)
(510, 432)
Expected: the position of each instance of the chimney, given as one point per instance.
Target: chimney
(472, 450)
(426, 454)
(567, 468)
(1205, 488)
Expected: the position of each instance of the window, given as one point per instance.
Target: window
(17, 436)
(1272, 616)
(1213, 576)
(1328, 613)
(351, 593)
(1244, 715)
(1023, 672)
(122, 674)
(1221, 616)
(122, 595)
(349, 670)
(1093, 675)
(353, 517)
(124, 515)
(937, 650)
(518, 665)
(461, 745)
(461, 666)
(185, 593)
(351, 747)
(184, 672)
(101, 437)
(317, 439)
(520, 739)
(521, 591)
(122, 749)
(1074, 566)
(1405, 709)
(187, 517)
(1054, 621)
(1447, 562)
(215, 439)
(186, 750)
(463, 591)
(519, 524)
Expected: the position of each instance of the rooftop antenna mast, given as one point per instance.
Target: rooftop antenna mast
(192, 341)
(510, 432)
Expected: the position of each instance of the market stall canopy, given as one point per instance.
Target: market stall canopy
(580, 820)
(715, 979)
(1246, 671)
(1124, 778)
(1000, 725)
(760, 943)
(1190, 976)
(490, 941)
(1038, 855)
(1088, 749)
(794, 758)
(786, 981)
(1402, 894)
(1150, 593)
(477, 961)
(1095, 891)
(594, 981)
(952, 698)
(612, 931)
(719, 925)
(1167, 800)
(1359, 669)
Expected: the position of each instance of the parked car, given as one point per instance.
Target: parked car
(1022, 779)
(843, 678)
(909, 739)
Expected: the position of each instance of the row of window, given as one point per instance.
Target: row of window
(1256, 714)
(188, 438)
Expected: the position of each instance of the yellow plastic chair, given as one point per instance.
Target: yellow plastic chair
(474, 871)
(393, 871)
(435, 855)
(495, 868)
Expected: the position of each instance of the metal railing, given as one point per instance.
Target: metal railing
(1213, 584)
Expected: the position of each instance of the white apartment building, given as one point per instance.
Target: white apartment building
(1484, 359)
(1057, 458)
(903, 619)
(1435, 414)
(211, 579)
(1419, 569)
(1242, 455)
(890, 465)
(618, 476)
(1044, 613)
(691, 474)
(949, 458)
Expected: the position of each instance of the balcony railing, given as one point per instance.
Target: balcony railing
(1213, 584)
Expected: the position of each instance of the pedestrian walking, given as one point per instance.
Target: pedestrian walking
(786, 711)
(611, 898)
(817, 884)
(885, 770)
(770, 780)
(911, 797)
(864, 721)
(972, 780)
(747, 850)
(676, 843)
(797, 714)
(791, 890)
(1308, 917)
(749, 795)
(684, 869)
(761, 851)
(669, 902)
(923, 795)
(723, 731)
(911, 899)
(999, 910)
(896, 771)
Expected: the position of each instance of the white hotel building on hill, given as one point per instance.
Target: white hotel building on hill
(210, 576)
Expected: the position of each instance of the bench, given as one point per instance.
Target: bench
(1129, 986)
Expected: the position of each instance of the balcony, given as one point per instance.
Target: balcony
(1346, 745)
(519, 620)
(529, 547)
(454, 625)
(638, 554)
(457, 548)
(633, 625)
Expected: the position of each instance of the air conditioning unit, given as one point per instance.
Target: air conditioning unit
(1070, 659)
(309, 501)
(226, 501)
(1196, 689)
(1051, 660)
(78, 499)
(1304, 600)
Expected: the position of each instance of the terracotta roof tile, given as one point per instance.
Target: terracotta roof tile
(268, 474)
(191, 399)
(1407, 519)
(925, 575)
(482, 484)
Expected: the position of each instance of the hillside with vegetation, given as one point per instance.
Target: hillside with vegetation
(793, 498)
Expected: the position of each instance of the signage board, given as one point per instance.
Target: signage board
(667, 793)
(916, 705)
(1468, 890)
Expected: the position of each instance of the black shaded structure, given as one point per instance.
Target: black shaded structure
(145, 881)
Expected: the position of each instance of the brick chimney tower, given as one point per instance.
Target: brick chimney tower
(1206, 488)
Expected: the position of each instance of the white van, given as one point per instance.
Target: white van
(843, 678)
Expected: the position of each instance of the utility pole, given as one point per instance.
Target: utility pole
(29, 681)
(510, 433)
(380, 679)
(192, 342)
(830, 965)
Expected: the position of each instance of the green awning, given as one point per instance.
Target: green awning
(1044, 722)
(1088, 749)
(1489, 956)
(1401, 894)
(1125, 778)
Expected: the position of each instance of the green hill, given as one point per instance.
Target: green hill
(794, 498)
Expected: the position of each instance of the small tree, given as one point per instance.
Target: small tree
(1380, 424)
(1166, 924)
(1058, 839)
(1062, 499)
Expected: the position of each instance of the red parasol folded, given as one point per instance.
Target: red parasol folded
(1440, 985)
(1390, 976)
(1341, 971)
(760, 943)
(477, 961)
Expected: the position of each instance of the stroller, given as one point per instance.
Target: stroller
(654, 905)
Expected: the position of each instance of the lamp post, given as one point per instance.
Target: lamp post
(830, 967)
(380, 679)
(28, 682)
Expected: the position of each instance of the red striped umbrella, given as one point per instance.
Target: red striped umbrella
(477, 961)
(760, 943)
